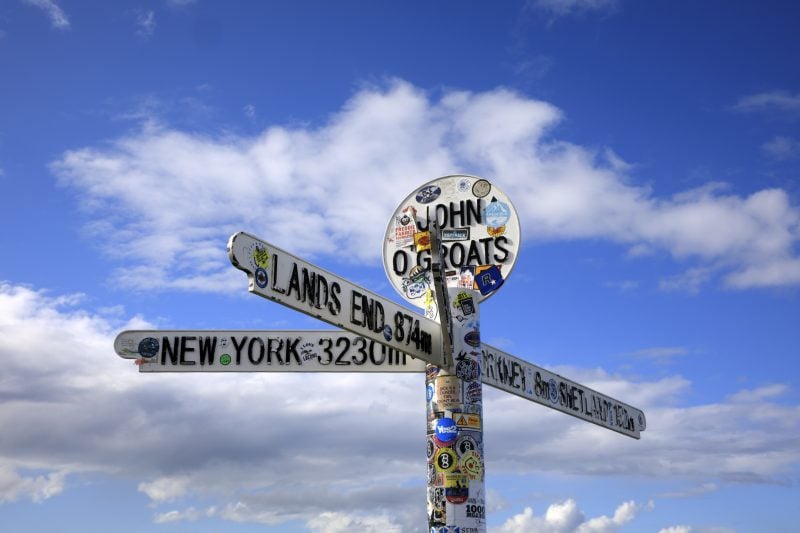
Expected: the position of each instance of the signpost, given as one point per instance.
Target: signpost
(449, 246)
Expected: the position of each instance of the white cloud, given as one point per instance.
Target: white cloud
(560, 8)
(145, 23)
(771, 100)
(189, 440)
(58, 19)
(37, 489)
(782, 148)
(165, 201)
(566, 517)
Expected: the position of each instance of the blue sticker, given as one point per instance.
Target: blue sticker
(489, 280)
(387, 333)
(261, 277)
(496, 214)
(428, 194)
(553, 390)
(446, 430)
(473, 338)
(430, 391)
(148, 347)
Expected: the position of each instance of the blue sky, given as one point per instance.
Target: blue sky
(651, 150)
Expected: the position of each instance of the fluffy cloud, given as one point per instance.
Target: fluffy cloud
(163, 199)
(559, 8)
(566, 517)
(771, 100)
(205, 445)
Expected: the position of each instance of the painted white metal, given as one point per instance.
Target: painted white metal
(511, 374)
(260, 351)
(287, 279)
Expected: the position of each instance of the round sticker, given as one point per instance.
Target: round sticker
(465, 444)
(261, 277)
(431, 448)
(148, 347)
(445, 460)
(553, 389)
(225, 359)
(481, 188)
(446, 430)
(471, 464)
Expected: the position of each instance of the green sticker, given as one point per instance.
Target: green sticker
(225, 359)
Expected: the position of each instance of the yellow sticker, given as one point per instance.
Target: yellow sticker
(445, 460)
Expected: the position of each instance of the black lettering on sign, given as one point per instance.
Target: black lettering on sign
(274, 347)
(344, 344)
(169, 350)
(238, 347)
(208, 345)
(274, 286)
(260, 351)
(185, 348)
(334, 305)
(291, 351)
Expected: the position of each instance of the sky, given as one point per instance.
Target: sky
(650, 149)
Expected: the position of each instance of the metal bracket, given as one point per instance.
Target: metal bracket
(440, 292)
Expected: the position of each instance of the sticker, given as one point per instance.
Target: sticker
(431, 448)
(261, 257)
(468, 370)
(458, 493)
(225, 359)
(422, 240)
(431, 372)
(466, 277)
(475, 510)
(468, 421)
(429, 391)
(417, 283)
(432, 474)
(553, 390)
(148, 347)
(428, 194)
(473, 393)
(446, 430)
(489, 280)
(463, 185)
(405, 226)
(466, 443)
(387, 332)
(445, 460)
(473, 338)
(481, 188)
(496, 214)
(495, 232)
(455, 234)
(448, 393)
(431, 309)
(471, 465)
(261, 277)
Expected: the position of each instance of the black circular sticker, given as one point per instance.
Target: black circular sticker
(148, 347)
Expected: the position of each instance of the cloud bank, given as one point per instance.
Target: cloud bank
(261, 448)
(163, 200)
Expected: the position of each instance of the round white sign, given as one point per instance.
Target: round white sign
(479, 231)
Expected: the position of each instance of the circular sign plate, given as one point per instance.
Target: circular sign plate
(479, 232)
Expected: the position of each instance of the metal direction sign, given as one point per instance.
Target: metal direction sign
(479, 233)
(506, 372)
(260, 351)
(286, 279)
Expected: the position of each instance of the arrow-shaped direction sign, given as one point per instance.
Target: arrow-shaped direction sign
(511, 374)
(286, 279)
(341, 351)
(260, 351)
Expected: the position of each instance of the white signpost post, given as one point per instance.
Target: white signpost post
(450, 245)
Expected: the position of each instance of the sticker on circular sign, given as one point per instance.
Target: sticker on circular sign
(479, 232)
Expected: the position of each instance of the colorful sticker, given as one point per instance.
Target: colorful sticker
(225, 359)
(446, 430)
(261, 257)
(466, 277)
(473, 392)
(445, 460)
(422, 240)
(468, 421)
(496, 232)
(455, 234)
(473, 338)
(468, 370)
(463, 185)
(405, 226)
(488, 279)
(471, 464)
(431, 309)
(496, 214)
